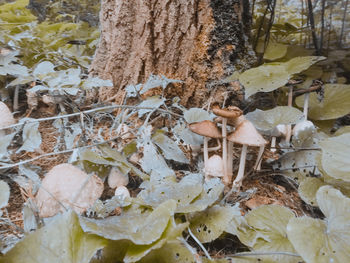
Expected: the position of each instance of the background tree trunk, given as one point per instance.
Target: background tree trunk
(197, 41)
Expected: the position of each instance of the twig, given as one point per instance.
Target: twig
(252, 254)
(55, 153)
(343, 23)
(93, 110)
(199, 243)
(312, 25)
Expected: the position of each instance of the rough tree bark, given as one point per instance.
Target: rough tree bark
(197, 41)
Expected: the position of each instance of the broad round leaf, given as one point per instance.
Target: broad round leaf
(336, 156)
(61, 240)
(42, 69)
(275, 51)
(299, 64)
(140, 228)
(267, 231)
(269, 119)
(331, 237)
(265, 78)
(336, 102)
(4, 193)
(308, 188)
(208, 225)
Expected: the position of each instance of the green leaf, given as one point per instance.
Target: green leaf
(308, 189)
(182, 192)
(266, 231)
(173, 251)
(169, 148)
(151, 102)
(4, 143)
(43, 69)
(211, 192)
(275, 51)
(208, 225)
(95, 82)
(140, 228)
(335, 156)
(271, 76)
(269, 119)
(31, 137)
(265, 78)
(61, 240)
(330, 238)
(196, 115)
(136, 252)
(4, 193)
(336, 102)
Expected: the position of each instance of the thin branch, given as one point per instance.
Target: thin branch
(343, 23)
(111, 107)
(312, 25)
(323, 3)
(252, 254)
(199, 243)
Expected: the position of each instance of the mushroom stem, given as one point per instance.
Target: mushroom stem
(238, 181)
(216, 148)
(273, 144)
(289, 127)
(230, 160)
(226, 178)
(306, 104)
(258, 162)
(205, 150)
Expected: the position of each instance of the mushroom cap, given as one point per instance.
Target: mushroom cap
(116, 178)
(303, 126)
(67, 185)
(214, 166)
(6, 118)
(231, 112)
(247, 134)
(279, 130)
(122, 191)
(206, 128)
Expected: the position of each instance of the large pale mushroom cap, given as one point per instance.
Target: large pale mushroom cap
(214, 166)
(206, 128)
(231, 112)
(6, 118)
(247, 134)
(116, 178)
(67, 185)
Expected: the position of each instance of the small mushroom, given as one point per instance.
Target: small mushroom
(6, 118)
(230, 113)
(116, 178)
(280, 130)
(247, 135)
(67, 186)
(214, 167)
(122, 192)
(207, 129)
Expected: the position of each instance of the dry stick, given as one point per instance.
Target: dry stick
(199, 243)
(111, 107)
(322, 24)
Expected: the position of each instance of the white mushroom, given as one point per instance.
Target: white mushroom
(65, 186)
(207, 129)
(116, 178)
(214, 167)
(229, 113)
(6, 118)
(247, 135)
(280, 130)
(122, 192)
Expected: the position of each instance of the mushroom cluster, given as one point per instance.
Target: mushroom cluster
(244, 133)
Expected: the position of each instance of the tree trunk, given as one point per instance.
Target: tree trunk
(197, 41)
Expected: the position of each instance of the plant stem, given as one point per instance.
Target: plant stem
(226, 179)
(258, 162)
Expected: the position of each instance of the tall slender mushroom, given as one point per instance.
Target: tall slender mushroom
(208, 129)
(247, 135)
(231, 112)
